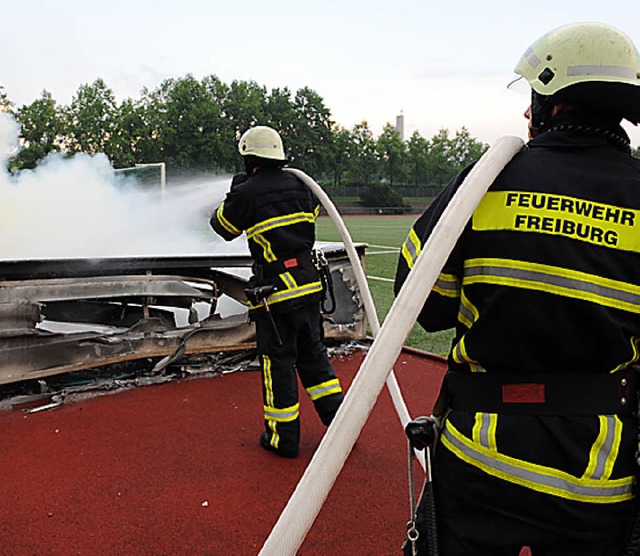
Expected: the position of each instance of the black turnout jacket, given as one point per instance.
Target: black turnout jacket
(277, 211)
(545, 278)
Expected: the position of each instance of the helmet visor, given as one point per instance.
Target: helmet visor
(519, 84)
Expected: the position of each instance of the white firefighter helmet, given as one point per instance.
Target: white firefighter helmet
(580, 53)
(586, 64)
(263, 142)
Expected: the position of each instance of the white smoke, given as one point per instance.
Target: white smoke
(80, 208)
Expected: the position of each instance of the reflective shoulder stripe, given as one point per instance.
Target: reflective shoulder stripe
(447, 285)
(536, 477)
(279, 221)
(411, 248)
(225, 223)
(555, 280)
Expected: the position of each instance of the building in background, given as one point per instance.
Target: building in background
(400, 125)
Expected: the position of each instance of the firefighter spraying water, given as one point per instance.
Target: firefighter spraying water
(278, 212)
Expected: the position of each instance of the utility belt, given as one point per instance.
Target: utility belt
(571, 393)
(269, 270)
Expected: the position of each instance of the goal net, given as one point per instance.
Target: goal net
(148, 177)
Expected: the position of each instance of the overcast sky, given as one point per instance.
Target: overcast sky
(443, 65)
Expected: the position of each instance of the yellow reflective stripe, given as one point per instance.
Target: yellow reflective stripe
(293, 293)
(411, 248)
(634, 340)
(316, 212)
(447, 285)
(555, 280)
(536, 477)
(559, 215)
(224, 222)
(460, 356)
(282, 414)
(288, 280)
(267, 380)
(604, 451)
(325, 389)
(266, 248)
(279, 221)
(275, 437)
(467, 312)
(484, 430)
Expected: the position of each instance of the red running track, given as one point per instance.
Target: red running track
(176, 469)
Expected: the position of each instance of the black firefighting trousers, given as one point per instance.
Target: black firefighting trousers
(482, 515)
(302, 350)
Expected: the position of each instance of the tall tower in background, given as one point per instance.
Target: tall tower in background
(400, 125)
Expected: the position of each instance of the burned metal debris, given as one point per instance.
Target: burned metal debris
(67, 315)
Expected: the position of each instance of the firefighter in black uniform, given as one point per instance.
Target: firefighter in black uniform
(538, 441)
(278, 213)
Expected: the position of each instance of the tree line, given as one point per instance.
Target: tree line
(194, 125)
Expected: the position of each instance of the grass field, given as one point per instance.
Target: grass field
(384, 235)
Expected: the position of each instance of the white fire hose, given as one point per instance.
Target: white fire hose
(323, 469)
(365, 292)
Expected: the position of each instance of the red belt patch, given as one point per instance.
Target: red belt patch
(523, 393)
(290, 263)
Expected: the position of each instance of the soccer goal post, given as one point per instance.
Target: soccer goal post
(148, 175)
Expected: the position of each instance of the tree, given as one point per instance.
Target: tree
(339, 158)
(128, 130)
(465, 149)
(364, 162)
(243, 107)
(440, 168)
(191, 121)
(311, 146)
(41, 131)
(281, 114)
(5, 104)
(90, 119)
(418, 158)
(391, 152)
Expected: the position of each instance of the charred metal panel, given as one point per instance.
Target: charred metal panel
(63, 315)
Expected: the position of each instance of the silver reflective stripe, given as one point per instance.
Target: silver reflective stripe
(603, 71)
(460, 356)
(411, 248)
(536, 477)
(312, 287)
(484, 430)
(280, 221)
(533, 60)
(282, 415)
(447, 285)
(466, 316)
(613, 295)
(605, 449)
(324, 389)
